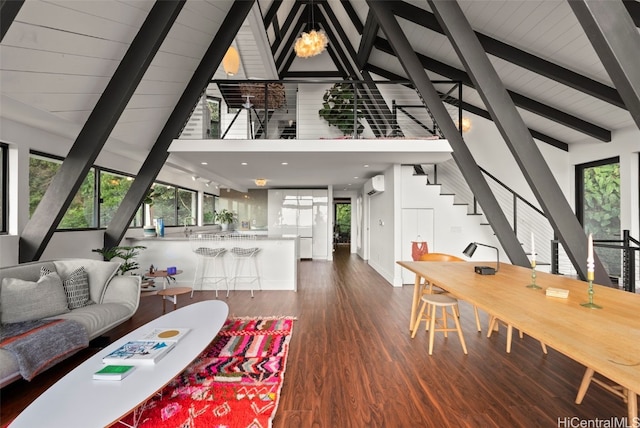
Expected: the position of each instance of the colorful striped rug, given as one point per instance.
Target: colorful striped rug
(234, 383)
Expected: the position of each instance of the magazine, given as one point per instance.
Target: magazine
(139, 352)
(166, 334)
(113, 372)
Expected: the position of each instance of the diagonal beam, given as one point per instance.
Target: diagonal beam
(286, 26)
(471, 108)
(271, 13)
(353, 15)
(517, 137)
(520, 100)
(180, 114)
(616, 40)
(91, 139)
(519, 57)
(288, 46)
(8, 11)
(366, 41)
(461, 154)
(633, 7)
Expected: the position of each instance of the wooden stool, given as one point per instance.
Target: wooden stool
(493, 325)
(430, 305)
(172, 294)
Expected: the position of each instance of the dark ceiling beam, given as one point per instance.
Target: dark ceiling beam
(519, 57)
(369, 35)
(293, 35)
(633, 7)
(516, 135)
(370, 108)
(271, 13)
(159, 152)
(353, 15)
(8, 11)
(471, 108)
(461, 154)
(616, 40)
(521, 101)
(96, 130)
(286, 27)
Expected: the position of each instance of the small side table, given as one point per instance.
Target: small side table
(172, 294)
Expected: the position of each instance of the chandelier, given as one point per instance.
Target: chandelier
(311, 43)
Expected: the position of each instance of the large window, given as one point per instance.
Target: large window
(213, 130)
(598, 207)
(80, 214)
(175, 205)
(208, 208)
(4, 187)
(113, 189)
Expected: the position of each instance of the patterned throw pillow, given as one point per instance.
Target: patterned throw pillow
(76, 287)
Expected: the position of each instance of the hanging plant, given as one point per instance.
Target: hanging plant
(338, 108)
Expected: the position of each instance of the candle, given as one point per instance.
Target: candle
(533, 249)
(590, 260)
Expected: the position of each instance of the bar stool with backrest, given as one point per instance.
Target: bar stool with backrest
(434, 298)
(244, 253)
(210, 267)
(427, 288)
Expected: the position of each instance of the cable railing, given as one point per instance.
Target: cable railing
(309, 110)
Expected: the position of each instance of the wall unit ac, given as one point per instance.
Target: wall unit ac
(375, 185)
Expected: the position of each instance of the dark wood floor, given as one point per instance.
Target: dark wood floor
(353, 364)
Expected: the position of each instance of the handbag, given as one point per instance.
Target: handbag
(418, 248)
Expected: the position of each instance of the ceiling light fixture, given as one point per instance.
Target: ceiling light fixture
(260, 182)
(231, 61)
(466, 124)
(194, 177)
(311, 43)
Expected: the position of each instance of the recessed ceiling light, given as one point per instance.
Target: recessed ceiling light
(243, 163)
(355, 178)
(366, 165)
(285, 163)
(204, 163)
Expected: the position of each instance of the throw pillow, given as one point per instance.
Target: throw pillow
(27, 300)
(76, 287)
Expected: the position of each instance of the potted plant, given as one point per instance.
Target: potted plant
(338, 108)
(225, 218)
(127, 254)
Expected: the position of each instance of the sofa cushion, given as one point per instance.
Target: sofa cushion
(76, 287)
(99, 272)
(27, 300)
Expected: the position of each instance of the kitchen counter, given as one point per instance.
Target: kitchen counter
(277, 260)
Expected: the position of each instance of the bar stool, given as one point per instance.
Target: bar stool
(210, 266)
(430, 305)
(494, 324)
(245, 262)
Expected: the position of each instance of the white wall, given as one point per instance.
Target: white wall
(382, 227)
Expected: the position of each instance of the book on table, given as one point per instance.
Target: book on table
(113, 372)
(166, 334)
(139, 352)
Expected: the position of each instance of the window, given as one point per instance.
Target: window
(187, 206)
(164, 203)
(4, 187)
(598, 207)
(213, 130)
(113, 189)
(208, 208)
(80, 214)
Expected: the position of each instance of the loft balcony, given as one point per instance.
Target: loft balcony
(312, 110)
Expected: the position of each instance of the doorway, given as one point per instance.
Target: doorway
(342, 225)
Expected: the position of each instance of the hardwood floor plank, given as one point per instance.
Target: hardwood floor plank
(352, 362)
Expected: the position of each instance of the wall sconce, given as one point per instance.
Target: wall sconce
(260, 182)
(231, 61)
(482, 270)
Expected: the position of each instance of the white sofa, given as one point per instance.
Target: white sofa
(113, 300)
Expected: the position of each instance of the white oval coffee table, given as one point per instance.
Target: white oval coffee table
(77, 400)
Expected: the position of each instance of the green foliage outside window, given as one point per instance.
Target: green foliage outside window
(343, 217)
(601, 210)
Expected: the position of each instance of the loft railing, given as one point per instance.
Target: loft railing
(234, 109)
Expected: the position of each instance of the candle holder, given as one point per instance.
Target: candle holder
(533, 284)
(590, 303)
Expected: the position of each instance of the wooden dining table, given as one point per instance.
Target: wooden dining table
(606, 340)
